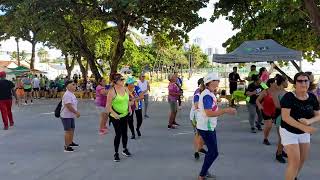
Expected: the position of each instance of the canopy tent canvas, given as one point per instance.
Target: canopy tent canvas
(258, 51)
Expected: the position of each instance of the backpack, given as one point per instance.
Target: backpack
(57, 111)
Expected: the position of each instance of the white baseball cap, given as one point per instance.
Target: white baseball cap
(211, 77)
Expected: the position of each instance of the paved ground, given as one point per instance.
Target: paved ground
(33, 150)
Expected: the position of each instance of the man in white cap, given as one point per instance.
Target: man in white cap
(145, 88)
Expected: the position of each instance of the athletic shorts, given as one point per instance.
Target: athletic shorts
(42, 88)
(27, 90)
(288, 138)
(173, 106)
(36, 89)
(68, 123)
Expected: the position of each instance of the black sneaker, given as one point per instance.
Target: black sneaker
(259, 128)
(253, 130)
(68, 149)
(171, 127)
(284, 154)
(266, 142)
(74, 144)
(203, 151)
(126, 153)
(280, 158)
(133, 137)
(138, 132)
(116, 157)
(176, 124)
(196, 156)
(296, 178)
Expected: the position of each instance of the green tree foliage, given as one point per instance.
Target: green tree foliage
(99, 31)
(23, 19)
(287, 22)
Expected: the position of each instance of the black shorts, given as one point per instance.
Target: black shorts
(266, 117)
(68, 123)
(42, 88)
(36, 89)
(27, 90)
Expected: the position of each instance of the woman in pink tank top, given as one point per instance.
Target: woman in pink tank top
(101, 100)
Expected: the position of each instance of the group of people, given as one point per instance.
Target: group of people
(29, 87)
(117, 103)
(293, 112)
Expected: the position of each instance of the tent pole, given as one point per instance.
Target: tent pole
(300, 63)
(225, 76)
(296, 65)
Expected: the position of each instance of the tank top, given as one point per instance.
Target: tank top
(120, 104)
(100, 98)
(269, 108)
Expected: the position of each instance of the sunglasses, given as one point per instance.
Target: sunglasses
(303, 81)
(122, 79)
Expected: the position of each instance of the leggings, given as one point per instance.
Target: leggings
(139, 120)
(210, 139)
(5, 109)
(121, 130)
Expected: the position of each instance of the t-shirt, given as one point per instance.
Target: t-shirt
(265, 76)
(207, 101)
(26, 83)
(143, 86)
(233, 77)
(68, 98)
(299, 109)
(36, 83)
(252, 73)
(196, 96)
(6, 89)
(42, 82)
(173, 88)
(135, 94)
(253, 87)
(101, 99)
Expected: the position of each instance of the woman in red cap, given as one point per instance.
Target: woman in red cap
(6, 92)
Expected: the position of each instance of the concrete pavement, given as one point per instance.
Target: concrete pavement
(33, 149)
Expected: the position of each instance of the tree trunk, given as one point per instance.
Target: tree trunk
(314, 13)
(119, 51)
(69, 66)
(18, 51)
(33, 54)
(83, 69)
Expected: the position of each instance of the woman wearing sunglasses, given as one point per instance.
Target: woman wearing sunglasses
(207, 121)
(299, 109)
(119, 109)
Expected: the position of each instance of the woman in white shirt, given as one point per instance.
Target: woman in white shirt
(207, 121)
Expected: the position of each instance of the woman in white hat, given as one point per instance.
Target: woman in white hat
(207, 121)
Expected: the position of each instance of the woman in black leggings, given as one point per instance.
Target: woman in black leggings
(136, 97)
(119, 109)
